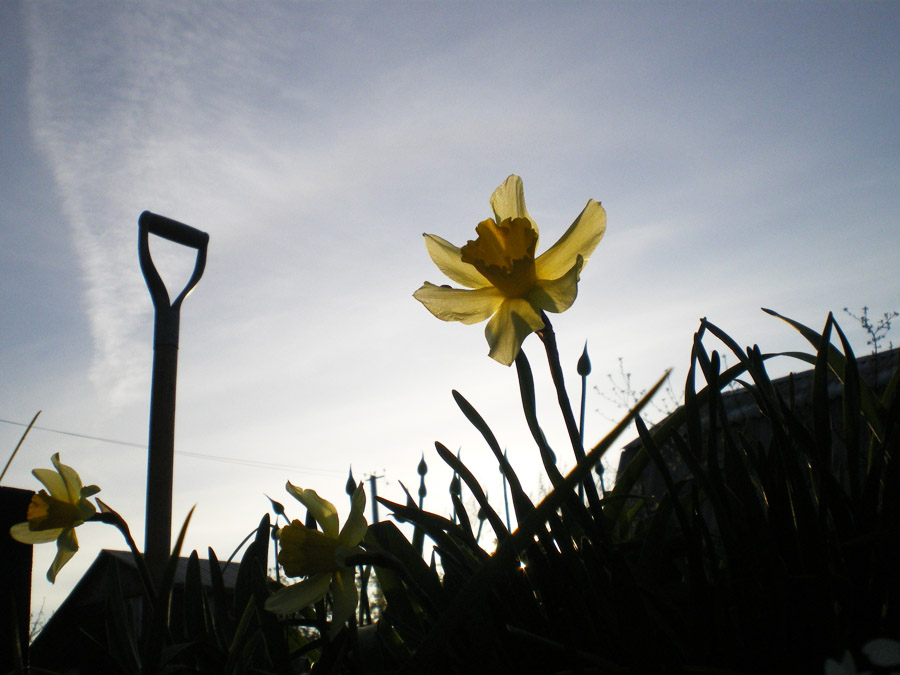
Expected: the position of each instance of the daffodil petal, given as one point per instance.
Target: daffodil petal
(66, 546)
(557, 295)
(459, 304)
(54, 483)
(355, 528)
(358, 499)
(512, 323)
(23, 533)
(345, 598)
(63, 555)
(581, 239)
(448, 259)
(321, 509)
(508, 201)
(297, 596)
(71, 479)
(89, 491)
(68, 540)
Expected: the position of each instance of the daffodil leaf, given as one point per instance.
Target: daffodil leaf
(472, 483)
(521, 502)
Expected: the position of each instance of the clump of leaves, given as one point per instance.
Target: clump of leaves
(770, 553)
(767, 549)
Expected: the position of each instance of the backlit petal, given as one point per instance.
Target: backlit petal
(321, 509)
(459, 304)
(296, 597)
(66, 546)
(23, 533)
(355, 528)
(508, 201)
(581, 239)
(345, 597)
(557, 295)
(54, 483)
(512, 323)
(448, 258)
(358, 499)
(89, 491)
(71, 478)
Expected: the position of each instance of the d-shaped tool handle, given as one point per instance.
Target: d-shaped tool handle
(167, 315)
(173, 230)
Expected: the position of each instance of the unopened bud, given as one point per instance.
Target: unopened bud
(350, 487)
(584, 363)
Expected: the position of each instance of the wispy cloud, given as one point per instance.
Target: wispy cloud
(317, 145)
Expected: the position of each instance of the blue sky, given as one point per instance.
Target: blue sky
(747, 155)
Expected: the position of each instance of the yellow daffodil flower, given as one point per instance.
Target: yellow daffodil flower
(54, 516)
(319, 556)
(503, 279)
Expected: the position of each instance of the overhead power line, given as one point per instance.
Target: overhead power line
(196, 455)
(72, 433)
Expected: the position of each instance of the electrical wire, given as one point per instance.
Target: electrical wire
(195, 455)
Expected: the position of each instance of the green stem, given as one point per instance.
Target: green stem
(245, 540)
(548, 337)
(111, 517)
(581, 425)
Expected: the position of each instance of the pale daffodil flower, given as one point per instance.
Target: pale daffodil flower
(319, 556)
(503, 279)
(54, 513)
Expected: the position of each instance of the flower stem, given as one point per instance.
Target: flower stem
(581, 426)
(110, 517)
(548, 337)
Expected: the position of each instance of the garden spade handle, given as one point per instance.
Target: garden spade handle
(158, 530)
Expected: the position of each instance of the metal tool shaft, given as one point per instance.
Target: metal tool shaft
(161, 449)
(160, 463)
